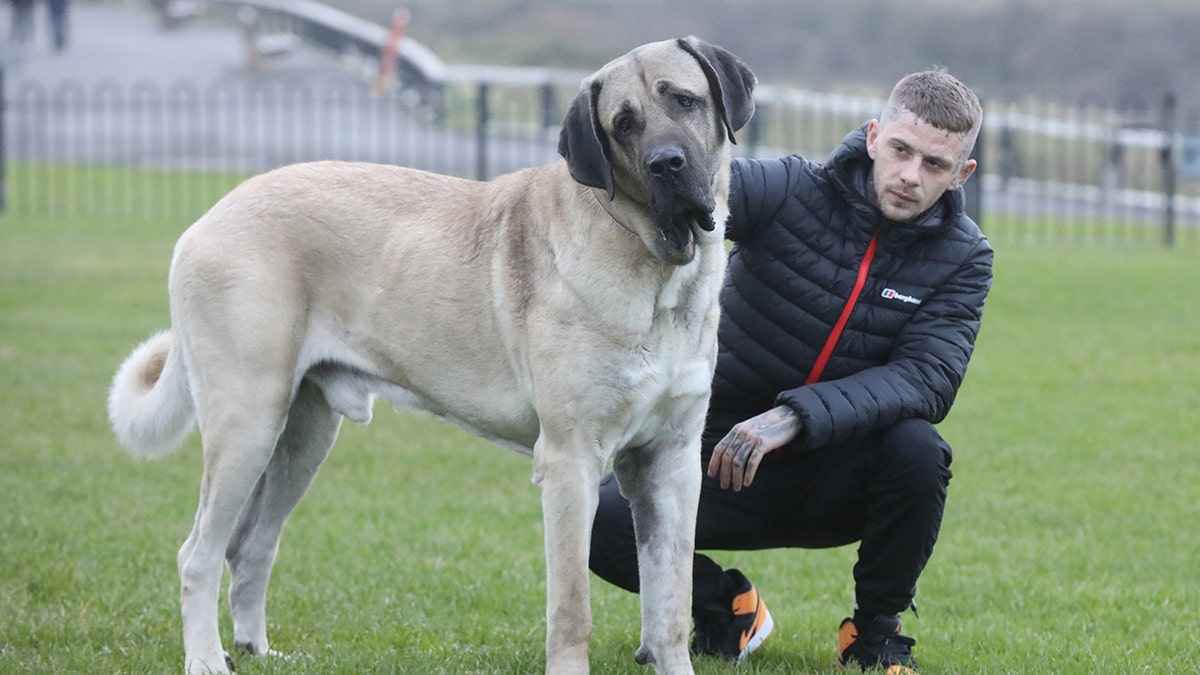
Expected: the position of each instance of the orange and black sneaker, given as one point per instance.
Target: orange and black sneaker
(878, 645)
(741, 632)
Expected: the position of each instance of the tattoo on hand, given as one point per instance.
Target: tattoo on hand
(736, 458)
(777, 426)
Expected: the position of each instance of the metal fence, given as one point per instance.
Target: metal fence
(170, 150)
(1087, 175)
(1048, 174)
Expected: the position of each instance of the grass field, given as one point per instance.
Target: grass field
(1070, 543)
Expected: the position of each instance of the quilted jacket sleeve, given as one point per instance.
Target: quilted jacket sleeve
(758, 190)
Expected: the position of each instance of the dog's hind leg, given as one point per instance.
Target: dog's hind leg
(310, 432)
(240, 424)
(663, 489)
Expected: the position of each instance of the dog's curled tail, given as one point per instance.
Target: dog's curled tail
(150, 403)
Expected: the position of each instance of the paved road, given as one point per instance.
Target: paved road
(128, 91)
(123, 43)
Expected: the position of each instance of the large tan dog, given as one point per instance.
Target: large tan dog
(567, 311)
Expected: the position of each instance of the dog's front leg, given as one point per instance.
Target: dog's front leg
(569, 477)
(663, 488)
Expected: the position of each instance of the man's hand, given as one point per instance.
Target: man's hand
(736, 458)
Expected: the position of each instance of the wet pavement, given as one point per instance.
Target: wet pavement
(124, 43)
(127, 91)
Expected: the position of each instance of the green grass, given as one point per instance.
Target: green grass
(1069, 545)
(111, 193)
(1115, 231)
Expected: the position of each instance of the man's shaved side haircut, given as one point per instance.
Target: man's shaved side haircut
(937, 97)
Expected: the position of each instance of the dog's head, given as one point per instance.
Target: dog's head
(652, 129)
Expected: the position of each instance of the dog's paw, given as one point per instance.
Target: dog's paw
(644, 656)
(248, 649)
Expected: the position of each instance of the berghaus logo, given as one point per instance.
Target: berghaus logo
(893, 294)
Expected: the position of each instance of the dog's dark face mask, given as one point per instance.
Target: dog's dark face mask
(651, 130)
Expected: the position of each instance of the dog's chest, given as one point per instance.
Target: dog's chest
(670, 375)
(669, 382)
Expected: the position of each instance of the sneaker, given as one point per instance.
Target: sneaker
(879, 644)
(744, 631)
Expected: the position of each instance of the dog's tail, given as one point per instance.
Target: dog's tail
(150, 404)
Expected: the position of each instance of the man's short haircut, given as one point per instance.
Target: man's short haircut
(937, 97)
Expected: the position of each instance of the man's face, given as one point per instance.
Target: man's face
(915, 163)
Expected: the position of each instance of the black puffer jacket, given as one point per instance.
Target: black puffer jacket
(800, 230)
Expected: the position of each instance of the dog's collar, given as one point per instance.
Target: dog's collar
(612, 215)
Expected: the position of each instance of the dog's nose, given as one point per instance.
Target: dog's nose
(666, 161)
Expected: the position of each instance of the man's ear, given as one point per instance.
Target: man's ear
(584, 144)
(965, 172)
(872, 137)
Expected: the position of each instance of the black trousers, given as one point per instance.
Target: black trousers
(886, 491)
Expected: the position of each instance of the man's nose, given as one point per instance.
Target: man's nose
(910, 171)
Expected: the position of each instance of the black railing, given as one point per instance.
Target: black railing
(1081, 175)
(1088, 175)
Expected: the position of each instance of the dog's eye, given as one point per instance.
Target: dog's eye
(685, 101)
(624, 124)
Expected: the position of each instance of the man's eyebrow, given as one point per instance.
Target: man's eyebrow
(940, 160)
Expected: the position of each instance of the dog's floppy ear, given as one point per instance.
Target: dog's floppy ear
(730, 80)
(583, 143)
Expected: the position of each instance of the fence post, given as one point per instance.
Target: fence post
(3, 145)
(549, 102)
(1167, 160)
(482, 115)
